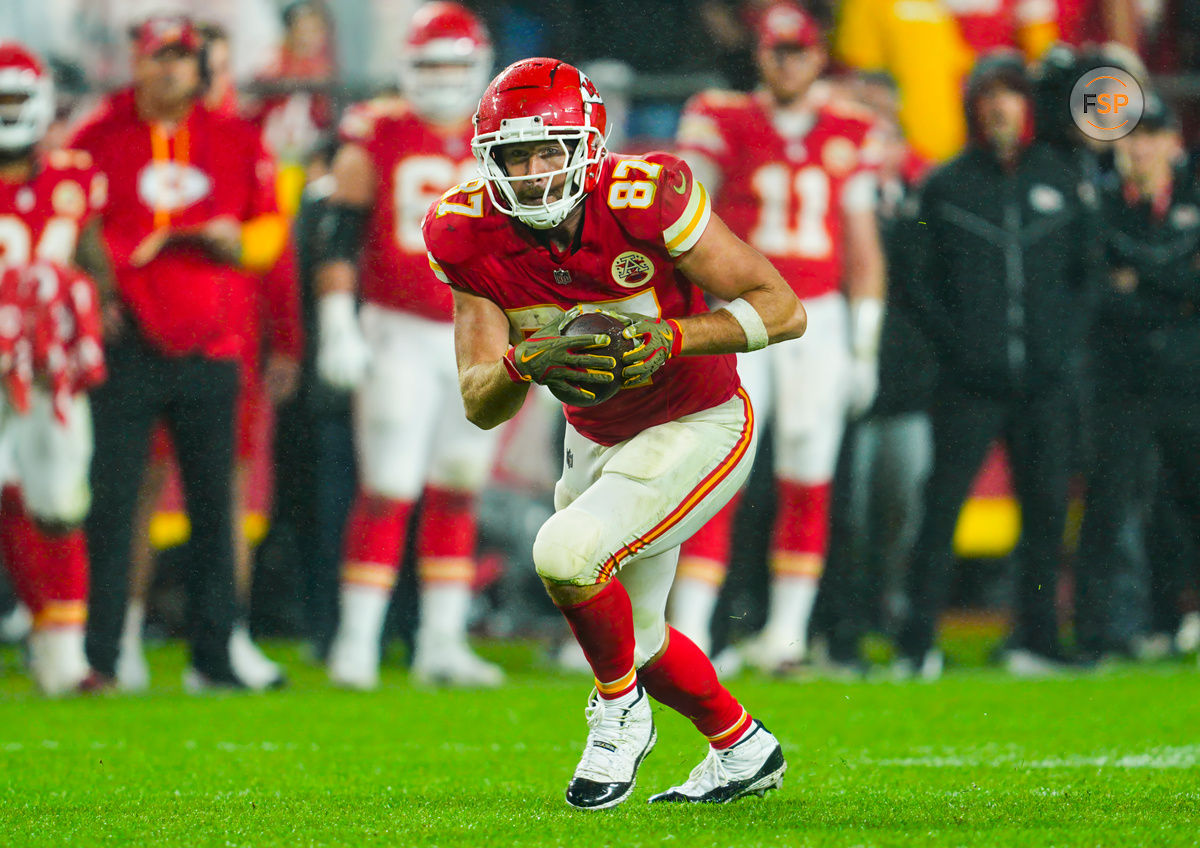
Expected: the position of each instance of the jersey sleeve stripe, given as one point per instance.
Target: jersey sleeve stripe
(684, 233)
(437, 269)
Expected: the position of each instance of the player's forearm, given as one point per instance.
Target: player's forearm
(490, 397)
(781, 312)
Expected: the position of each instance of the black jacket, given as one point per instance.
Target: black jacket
(1149, 338)
(1004, 263)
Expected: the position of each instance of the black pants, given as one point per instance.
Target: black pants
(195, 396)
(1112, 550)
(1037, 432)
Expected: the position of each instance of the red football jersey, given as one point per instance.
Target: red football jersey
(49, 329)
(784, 194)
(989, 25)
(42, 218)
(641, 216)
(415, 165)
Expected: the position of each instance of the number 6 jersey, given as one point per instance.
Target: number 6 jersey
(414, 165)
(642, 215)
(784, 187)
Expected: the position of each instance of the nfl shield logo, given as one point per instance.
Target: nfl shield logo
(562, 276)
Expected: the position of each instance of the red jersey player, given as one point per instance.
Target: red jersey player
(51, 331)
(791, 171)
(556, 223)
(413, 441)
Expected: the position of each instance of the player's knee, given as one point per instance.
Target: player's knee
(382, 484)
(568, 548)
(58, 508)
(462, 474)
(649, 633)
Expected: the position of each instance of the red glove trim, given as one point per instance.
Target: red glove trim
(677, 340)
(510, 365)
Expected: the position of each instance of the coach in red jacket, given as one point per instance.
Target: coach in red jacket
(192, 216)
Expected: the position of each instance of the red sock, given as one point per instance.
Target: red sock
(684, 680)
(603, 626)
(374, 540)
(63, 578)
(713, 541)
(801, 518)
(446, 536)
(19, 546)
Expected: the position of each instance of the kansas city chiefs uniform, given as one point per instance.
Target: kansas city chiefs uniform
(42, 219)
(642, 214)
(788, 179)
(784, 188)
(415, 165)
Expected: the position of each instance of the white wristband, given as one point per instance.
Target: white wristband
(336, 311)
(866, 321)
(751, 322)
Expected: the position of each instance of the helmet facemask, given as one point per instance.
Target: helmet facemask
(443, 81)
(583, 149)
(26, 109)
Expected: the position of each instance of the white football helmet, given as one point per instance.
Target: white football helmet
(26, 98)
(445, 63)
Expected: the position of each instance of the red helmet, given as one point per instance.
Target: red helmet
(541, 100)
(24, 122)
(446, 59)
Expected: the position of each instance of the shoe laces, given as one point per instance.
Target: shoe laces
(709, 774)
(606, 724)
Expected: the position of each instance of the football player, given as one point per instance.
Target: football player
(558, 225)
(412, 438)
(52, 354)
(791, 169)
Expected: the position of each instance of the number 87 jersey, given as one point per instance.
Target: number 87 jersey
(642, 214)
(783, 188)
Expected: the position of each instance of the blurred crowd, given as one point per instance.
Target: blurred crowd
(246, 187)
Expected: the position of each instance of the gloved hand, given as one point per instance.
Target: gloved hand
(552, 359)
(342, 355)
(866, 321)
(659, 339)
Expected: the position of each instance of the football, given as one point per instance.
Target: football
(590, 324)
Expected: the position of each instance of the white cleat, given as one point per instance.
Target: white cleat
(133, 672)
(619, 738)
(354, 663)
(251, 664)
(570, 658)
(929, 669)
(16, 625)
(455, 664)
(728, 663)
(57, 661)
(772, 655)
(1027, 664)
(752, 766)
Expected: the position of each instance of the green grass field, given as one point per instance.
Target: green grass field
(975, 759)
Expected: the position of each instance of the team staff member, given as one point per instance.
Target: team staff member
(192, 211)
(1145, 345)
(1002, 261)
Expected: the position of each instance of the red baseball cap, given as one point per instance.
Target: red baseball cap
(163, 31)
(787, 24)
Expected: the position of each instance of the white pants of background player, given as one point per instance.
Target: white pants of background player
(801, 386)
(624, 510)
(48, 460)
(411, 432)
